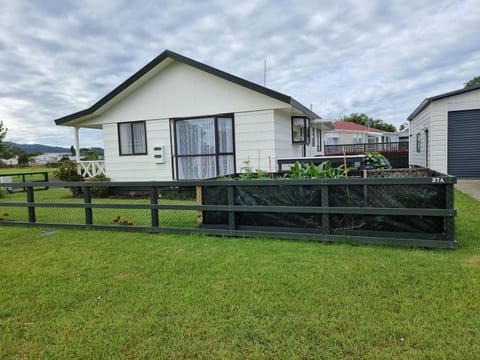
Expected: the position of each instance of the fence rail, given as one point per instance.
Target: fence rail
(401, 146)
(187, 207)
(6, 180)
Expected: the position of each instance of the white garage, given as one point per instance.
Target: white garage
(445, 133)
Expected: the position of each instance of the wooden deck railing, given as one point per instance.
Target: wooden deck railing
(400, 146)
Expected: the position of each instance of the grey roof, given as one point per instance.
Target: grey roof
(172, 55)
(427, 101)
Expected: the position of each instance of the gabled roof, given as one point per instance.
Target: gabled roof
(348, 125)
(183, 59)
(427, 101)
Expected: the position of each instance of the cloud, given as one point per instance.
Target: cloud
(380, 58)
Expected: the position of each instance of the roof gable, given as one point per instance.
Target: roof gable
(167, 54)
(429, 100)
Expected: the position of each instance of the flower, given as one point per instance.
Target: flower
(5, 214)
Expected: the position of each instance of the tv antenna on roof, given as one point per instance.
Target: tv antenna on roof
(264, 72)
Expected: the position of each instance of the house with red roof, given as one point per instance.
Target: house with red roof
(347, 133)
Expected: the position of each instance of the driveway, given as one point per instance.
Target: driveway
(470, 187)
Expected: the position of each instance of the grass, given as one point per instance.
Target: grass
(28, 170)
(100, 294)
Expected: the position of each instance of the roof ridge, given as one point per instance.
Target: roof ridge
(189, 61)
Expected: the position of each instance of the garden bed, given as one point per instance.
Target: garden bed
(405, 206)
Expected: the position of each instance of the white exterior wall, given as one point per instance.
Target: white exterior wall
(254, 141)
(180, 90)
(417, 126)
(139, 167)
(435, 118)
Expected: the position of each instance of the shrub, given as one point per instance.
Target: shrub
(375, 160)
(67, 171)
(99, 191)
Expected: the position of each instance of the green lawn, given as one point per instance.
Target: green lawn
(79, 294)
(27, 170)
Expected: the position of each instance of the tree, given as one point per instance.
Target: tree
(472, 82)
(23, 158)
(3, 133)
(374, 123)
(404, 126)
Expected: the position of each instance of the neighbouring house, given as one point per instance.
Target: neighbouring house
(352, 139)
(445, 133)
(50, 158)
(356, 136)
(177, 118)
(10, 162)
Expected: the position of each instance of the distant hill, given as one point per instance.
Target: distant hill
(29, 148)
(38, 148)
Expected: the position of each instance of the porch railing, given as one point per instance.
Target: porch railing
(400, 146)
(91, 168)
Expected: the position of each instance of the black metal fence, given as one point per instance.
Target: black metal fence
(416, 211)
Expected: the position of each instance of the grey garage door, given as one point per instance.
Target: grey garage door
(464, 143)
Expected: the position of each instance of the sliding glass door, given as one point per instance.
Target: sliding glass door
(204, 147)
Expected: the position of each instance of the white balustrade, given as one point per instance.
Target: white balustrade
(91, 168)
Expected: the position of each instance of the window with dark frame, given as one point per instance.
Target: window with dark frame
(204, 147)
(300, 129)
(132, 138)
(418, 143)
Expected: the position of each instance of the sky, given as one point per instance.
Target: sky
(377, 57)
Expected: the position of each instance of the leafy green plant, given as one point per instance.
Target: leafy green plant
(375, 160)
(247, 173)
(301, 170)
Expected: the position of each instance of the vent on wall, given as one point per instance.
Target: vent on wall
(158, 154)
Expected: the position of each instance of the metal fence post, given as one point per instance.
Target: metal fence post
(31, 207)
(87, 196)
(154, 211)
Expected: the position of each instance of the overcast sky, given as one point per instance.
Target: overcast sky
(378, 57)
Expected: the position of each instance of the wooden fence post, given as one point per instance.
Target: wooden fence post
(449, 220)
(31, 208)
(87, 196)
(154, 211)
(325, 216)
(231, 203)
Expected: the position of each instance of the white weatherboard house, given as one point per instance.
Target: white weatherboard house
(177, 118)
(445, 133)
